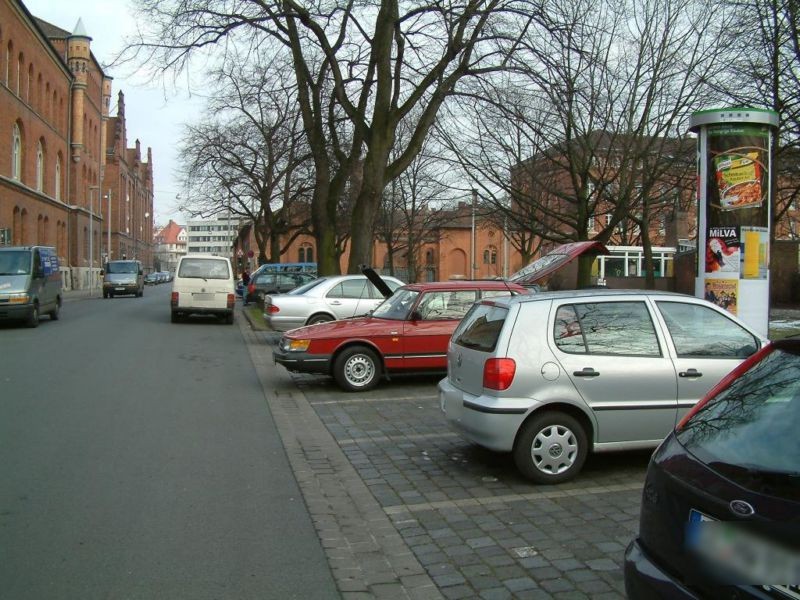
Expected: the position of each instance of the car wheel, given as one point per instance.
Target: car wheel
(54, 314)
(33, 319)
(551, 448)
(319, 319)
(357, 369)
(175, 317)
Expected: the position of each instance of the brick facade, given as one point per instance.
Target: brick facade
(54, 109)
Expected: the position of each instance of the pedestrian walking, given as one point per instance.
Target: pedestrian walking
(245, 283)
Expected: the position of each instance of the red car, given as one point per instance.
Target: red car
(407, 333)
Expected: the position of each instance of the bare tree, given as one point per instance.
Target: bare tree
(588, 121)
(248, 157)
(361, 68)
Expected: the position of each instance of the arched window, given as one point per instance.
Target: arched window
(57, 186)
(301, 254)
(486, 257)
(309, 254)
(490, 256)
(29, 84)
(429, 257)
(20, 68)
(16, 153)
(39, 167)
(9, 55)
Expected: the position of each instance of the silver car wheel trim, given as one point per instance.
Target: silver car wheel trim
(359, 370)
(554, 449)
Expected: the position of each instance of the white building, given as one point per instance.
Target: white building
(212, 236)
(170, 245)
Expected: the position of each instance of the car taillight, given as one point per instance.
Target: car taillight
(174, 299)
(498, 373)
(251, 288)
(272, 309)
(725, 383)
(231, 300)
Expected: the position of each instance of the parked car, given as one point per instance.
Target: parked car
(408, 332)
(203, 285)
(151, 279)
(30, 284)
(720, 514)
(122, 277)
(325, 299)
(266, 283)
(554, 375)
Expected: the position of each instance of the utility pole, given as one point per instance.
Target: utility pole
(472, 236)
(108, 246)
(92, 188)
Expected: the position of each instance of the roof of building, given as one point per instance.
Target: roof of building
(169, 233)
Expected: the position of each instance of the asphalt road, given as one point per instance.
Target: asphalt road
(139, 459)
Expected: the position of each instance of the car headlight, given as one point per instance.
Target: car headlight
(291, 345)
(21, 298)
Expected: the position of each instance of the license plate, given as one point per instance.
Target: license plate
(119, 289)
(743, 556)
(203, 296)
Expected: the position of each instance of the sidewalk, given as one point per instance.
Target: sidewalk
(72, 295)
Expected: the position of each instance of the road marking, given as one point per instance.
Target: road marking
(372, 399)
(400, 509)
(397, 438)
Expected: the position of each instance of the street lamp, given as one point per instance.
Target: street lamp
(108, 243)
(472, 235)
(92, 188)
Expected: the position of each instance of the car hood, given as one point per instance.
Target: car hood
(10, 284)
(121, 277)
(555, 260)
(357, 327)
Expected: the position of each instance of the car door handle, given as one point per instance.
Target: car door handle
(586, 372)
(335, 303)
(690, 373)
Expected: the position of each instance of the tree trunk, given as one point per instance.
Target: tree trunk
(324, 222)
(585, 263)
(365, 209)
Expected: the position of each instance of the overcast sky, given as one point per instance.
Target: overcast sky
(152, 115)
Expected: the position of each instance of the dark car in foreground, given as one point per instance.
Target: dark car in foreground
(720, 514)
(407, 333)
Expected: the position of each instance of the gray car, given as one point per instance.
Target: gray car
(552, 376)
(324, 299)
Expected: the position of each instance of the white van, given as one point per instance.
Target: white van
(203, 284)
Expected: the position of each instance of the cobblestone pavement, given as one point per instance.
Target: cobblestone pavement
(469, 525)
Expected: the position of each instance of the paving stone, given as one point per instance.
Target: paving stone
(556, 585)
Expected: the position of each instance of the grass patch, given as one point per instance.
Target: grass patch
(256, 316)
(778, 333)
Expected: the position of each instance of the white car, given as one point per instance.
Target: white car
(203, 285)
(325, 299)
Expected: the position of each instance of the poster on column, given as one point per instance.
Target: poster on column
(737, 186)
(724, 293)
(722, 250)
(754, 252)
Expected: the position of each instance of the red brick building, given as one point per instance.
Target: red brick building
(54, 110)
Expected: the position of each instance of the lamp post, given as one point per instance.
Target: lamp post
(472, 236)
(92, 188)
(108, 242)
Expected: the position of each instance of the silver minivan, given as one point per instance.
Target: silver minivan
(552, 376)
(123, 277)
(30, 284)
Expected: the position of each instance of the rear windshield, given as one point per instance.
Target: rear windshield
(204, 268)
(480, 327)
(15, 262)
(748, 433)
(120, 268)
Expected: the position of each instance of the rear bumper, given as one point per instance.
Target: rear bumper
(488, 422)
(121, 288)
(284, 323)
(644, 579)
(303, 362)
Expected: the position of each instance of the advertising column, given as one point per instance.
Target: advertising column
(734, 210)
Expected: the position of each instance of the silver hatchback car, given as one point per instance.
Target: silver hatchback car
(554, 375)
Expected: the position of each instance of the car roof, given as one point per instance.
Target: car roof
(468, 284)
(592, 293)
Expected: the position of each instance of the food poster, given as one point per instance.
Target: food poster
(723, 250)
(723, 292)
(754, 252)
(737, 186)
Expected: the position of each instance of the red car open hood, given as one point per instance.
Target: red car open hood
(555, 260)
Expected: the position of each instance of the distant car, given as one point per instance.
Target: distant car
(151, 279)
(266, 283)
(407, 333)
(719, 515)
(325, 299)
(122, 277)
(552, 376)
